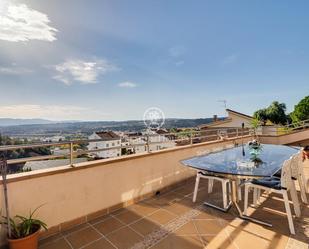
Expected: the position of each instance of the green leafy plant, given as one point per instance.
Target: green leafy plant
(22, 226)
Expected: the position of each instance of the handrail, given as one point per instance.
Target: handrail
(189, 137)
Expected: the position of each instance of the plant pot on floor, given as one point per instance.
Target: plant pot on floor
(28, 242)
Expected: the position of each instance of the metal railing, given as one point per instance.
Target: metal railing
(179, 138)
(298, 125)
(284, 129)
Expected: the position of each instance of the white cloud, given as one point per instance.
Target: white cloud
(13, 70)
(127, 84)
(176, 51)
(230, 59)
(51, 112)
(18, 22)
(85, 72)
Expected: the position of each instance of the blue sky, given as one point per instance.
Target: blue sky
(111, 60)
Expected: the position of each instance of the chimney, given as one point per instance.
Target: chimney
(215, 118)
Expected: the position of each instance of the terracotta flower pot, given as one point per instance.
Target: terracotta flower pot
(29, 242)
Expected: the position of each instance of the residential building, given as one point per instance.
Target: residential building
(108, 139)
(234, 119)
(160, 139)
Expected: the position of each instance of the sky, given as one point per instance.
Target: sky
(112, 60)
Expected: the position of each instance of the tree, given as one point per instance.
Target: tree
(261, 115)
(301, 110)
(274, 113)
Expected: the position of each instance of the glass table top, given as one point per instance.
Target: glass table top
(261, 161)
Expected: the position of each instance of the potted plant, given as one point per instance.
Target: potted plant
(24, 231)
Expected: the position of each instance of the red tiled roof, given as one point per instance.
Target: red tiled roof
(108, 135)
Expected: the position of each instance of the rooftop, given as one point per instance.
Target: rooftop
(108, 135)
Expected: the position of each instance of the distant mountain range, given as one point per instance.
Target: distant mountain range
(46, 127)
(18, 121)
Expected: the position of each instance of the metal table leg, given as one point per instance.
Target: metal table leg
(226, 209)
(241, 215)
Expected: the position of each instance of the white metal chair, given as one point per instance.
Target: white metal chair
(211, 179)
(278, 185)
(224, 182)
(297, 171)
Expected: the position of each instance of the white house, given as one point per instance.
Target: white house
(159, 140)
(135, 142)
(109, 139)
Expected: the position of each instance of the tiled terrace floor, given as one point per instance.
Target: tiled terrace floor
(171, 220)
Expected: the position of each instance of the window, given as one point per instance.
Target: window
(113, 144)
(107, 145)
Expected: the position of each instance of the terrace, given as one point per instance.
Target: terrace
(145, 201)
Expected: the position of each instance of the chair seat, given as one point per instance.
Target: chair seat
(278, 174)
(203, 173)
(270, 182)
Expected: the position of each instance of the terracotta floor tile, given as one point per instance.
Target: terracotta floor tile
(58, 244)
(184, 191)
(187, 229)
(50, 239)
(206, 214)
(83, 237)
(124, 238)
(109, 225)
(241, 233)
(128, 217)
(74, 229)
(100, 244)
(161, 217)
(208, 227)
(181, 242)
(179, 208)
(143, 208)
(166, 199)
(145, 226)
(99, 219)
(219, 241)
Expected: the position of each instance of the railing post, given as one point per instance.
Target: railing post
(147, 144)
(191, 137)
(236, 132)
(71, 154)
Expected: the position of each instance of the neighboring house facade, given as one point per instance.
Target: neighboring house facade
(233, 120)
(109, 139)
(137, 142)
(223, 127)
(159, 139)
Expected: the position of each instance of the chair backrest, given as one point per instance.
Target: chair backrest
(296, 165)
(286, 174)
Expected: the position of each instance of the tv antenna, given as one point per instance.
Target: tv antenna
(224, 102)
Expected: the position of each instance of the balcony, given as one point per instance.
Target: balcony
(145, 201)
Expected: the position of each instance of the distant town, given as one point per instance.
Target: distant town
(104, 140)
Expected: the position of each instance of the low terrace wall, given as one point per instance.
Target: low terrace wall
(75, 195)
